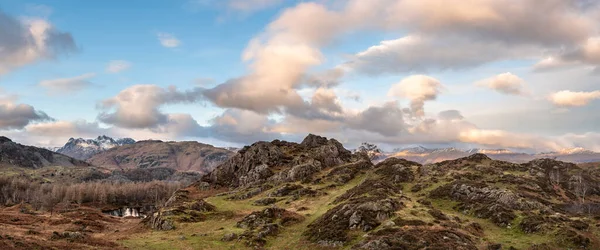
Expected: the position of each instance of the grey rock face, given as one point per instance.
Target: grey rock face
(84, 149)
(253, 165)
(507, 198)
(157, 222)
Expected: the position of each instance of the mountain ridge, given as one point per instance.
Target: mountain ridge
(15, 154)
(182, 156)
(426, 155)
(84, 149)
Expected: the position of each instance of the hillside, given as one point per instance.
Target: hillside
(180, 156)
(13, 154)
(318, 195)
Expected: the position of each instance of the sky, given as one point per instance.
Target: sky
(520, 75)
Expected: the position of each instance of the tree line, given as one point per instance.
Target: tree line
(16, 190)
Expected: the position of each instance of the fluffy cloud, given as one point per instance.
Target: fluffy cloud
(419, 89)
(451, 35)
(290, 45)
(506, 83)
(242, 126)
(387, 120)
(79, 128)
(282, 54)
(567, 98)
(117, 66)
(29, 41)
(168, 40)
(67, 85)
(425, 53)
(139, 106)
(16, 116)
(500, 20)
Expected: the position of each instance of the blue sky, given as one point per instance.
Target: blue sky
(393, 69)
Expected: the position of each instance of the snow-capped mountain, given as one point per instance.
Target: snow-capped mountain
(575, 151)
(83, 149)
(425, 155)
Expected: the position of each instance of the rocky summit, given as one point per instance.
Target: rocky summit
(318, 195)
(83, 149)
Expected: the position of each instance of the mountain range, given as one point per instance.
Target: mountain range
(425, 155)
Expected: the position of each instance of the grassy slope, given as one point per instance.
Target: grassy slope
(291, 237)
(215, 227)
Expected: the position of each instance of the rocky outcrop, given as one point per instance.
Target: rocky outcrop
(159, 222)
(363, 207)
(483, 194)
(364, 213)
(483, 201)
(262, 224)
(253, 165)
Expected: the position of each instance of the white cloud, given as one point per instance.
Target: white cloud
(67, 85)
(506, 83)
(117, 66)
(139, 106)
(419, 89)
(567, 98)
(426, 53)
(66, 129)
(168, 40)
(29, 41)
